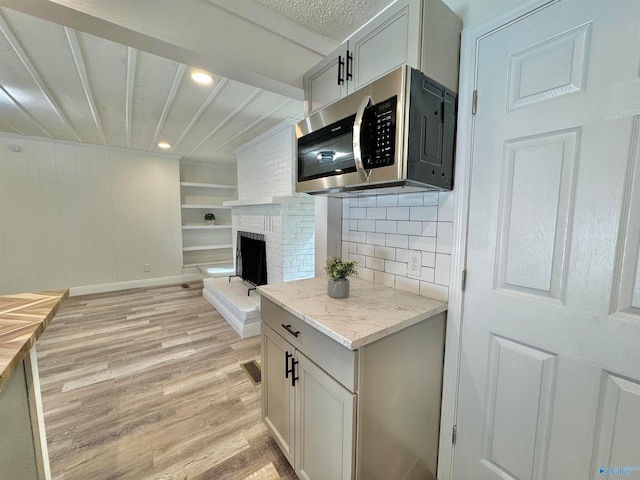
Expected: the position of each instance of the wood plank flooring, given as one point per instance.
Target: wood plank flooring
(146, 384)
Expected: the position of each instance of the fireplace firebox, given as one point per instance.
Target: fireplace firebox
(251, 259)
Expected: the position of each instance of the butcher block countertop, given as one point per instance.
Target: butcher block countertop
(371, 311)
(23, 318)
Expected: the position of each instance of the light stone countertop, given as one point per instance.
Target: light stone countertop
(371, 311)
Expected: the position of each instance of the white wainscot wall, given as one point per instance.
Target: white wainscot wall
(382, 233)
(86, 217)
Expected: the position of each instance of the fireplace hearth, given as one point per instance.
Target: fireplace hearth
(251, 259)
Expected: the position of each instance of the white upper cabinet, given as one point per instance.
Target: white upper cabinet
(424, 34)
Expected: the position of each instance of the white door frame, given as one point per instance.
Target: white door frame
(464, 147)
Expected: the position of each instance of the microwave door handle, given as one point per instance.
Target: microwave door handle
(357, 132)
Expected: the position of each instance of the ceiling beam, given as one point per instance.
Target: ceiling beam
(211, 38)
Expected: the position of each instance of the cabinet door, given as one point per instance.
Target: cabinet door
(277, 392)
(327, 81)
(388, 41)
(325, 425)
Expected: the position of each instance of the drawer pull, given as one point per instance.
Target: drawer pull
(290, 330)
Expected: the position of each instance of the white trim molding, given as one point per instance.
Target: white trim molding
(146, 282)
(471, 38)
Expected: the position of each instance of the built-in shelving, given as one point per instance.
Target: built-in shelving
(204, 189)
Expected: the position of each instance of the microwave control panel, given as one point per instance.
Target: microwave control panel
(382, 138)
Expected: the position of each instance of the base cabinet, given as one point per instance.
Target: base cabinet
(310, 415)
(371, 413)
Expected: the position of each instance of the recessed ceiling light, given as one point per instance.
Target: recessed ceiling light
(164, 145)
(202, 78)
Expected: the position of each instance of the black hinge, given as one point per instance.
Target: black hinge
(463, 283)
(474, 103)
(454, 434)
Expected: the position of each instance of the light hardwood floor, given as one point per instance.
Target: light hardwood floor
(146, 384)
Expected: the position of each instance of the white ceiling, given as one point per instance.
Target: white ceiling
(116, 72)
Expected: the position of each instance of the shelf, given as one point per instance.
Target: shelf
(206, 247)
(205, 227)
(262, 201)
(217, 186)
(209, 207)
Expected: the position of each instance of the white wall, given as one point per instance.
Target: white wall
(75, 215)
(380, 231)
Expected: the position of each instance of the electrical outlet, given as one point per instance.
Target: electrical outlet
(414, 263)
(147, 267)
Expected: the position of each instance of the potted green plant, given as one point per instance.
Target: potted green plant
(338, 271)
(209, 218)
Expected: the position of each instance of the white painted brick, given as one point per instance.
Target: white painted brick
(385, 226)
(397, 241)
(397, 213)
(410, 228)
(396, 268)
(386, 253)
(425, 214)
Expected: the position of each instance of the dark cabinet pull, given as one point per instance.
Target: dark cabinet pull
(290, 330)
(340, 67)
(349, 65)
(294, 377)
(286, 365)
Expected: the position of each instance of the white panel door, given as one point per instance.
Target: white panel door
(550, 363)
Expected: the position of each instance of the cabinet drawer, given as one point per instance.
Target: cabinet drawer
(335, 359)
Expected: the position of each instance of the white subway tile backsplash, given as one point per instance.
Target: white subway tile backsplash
(410, 228)
(387, 200)
(374, 263)
(426, 244)
(425, 214)
(376, 238)
(411, 199)
(431, 198)
(385, 228)
(443, 265)
(354, 257)
(366, 249)
(377, 213)
(396, 268)
(445, 207)
(397, 241)
(386, 253)
(444, 238)
(398, 213)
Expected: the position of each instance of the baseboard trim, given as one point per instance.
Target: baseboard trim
(147, 282)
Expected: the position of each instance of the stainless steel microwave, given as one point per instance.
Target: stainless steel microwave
(394, 135)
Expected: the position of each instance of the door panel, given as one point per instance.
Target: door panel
(550, 369)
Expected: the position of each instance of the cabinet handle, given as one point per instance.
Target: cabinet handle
(349, 65)
(290, 330)
(287, 356)
(294, 377)
(340, 67)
